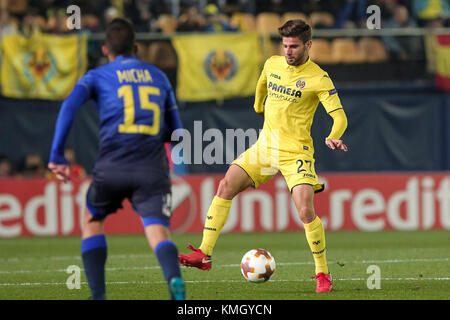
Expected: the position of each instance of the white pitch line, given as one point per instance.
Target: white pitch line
(235, 265)
(30, 284)
(77, 257)
(149, 255)
(82, 269)
(405, 260)
(354, 262)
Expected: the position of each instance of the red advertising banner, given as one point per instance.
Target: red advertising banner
(364, 202)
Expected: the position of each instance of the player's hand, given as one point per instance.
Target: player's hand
(62, 171)
(336, 144)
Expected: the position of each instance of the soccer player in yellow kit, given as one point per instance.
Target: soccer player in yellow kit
(288, 93)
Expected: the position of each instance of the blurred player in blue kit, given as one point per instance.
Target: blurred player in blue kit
(138, 113)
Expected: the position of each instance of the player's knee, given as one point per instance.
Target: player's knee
(306, 214)
(226, 189)
(91, 227)
(156, 233)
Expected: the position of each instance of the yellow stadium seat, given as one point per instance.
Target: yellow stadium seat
(372, 50)
(268, 22)
(167, 23)
(321, 18)
(345, 50)
(293, 16)
(162, 54)
(320, 51)
(16, 6)
(244, 21)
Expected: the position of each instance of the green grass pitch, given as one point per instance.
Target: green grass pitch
(412, 265)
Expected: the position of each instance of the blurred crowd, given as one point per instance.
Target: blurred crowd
(33, 166)
(169, 16)
(24, 16)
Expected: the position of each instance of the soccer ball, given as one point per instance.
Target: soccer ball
(257, 265)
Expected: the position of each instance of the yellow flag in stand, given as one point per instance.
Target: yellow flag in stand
(443, 62)
(217, 66)
(42, 66)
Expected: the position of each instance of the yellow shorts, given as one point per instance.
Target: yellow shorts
(263, 163)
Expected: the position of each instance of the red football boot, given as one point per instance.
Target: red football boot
(324, 282)
(196, 259)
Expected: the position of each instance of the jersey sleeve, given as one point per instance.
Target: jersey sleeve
(81, 92)
(88, 82)
(261, 90)
(339, 124)
(66, 116)
(328, 95)
(329, 98)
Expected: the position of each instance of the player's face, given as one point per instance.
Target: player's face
(295, 51)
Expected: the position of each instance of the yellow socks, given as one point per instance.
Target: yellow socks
(217, 217)
(315, 235)
(215, 220)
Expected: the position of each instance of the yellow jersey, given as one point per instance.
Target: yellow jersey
(289, 96)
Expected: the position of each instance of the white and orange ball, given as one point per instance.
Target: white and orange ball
(257, 265)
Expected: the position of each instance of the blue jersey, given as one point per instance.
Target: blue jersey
(137, 110)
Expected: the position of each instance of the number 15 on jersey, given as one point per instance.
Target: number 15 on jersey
(129, 125)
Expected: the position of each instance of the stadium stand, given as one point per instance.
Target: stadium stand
(190, 21)
(321, 20)
(372, 50)
(142, 52)
(345, 50)
(243, 21)
(267, 22)
(320, 51)
(167, 23)
(162, 54)
(294, 15)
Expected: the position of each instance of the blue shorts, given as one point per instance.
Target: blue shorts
(148, 191)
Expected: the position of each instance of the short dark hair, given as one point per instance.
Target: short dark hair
(296, 28)
(120, 37)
